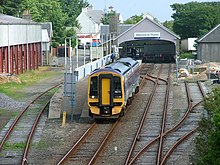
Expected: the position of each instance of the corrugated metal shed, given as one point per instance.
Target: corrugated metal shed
(212, 36)
(209, 46)
(14, 31)
(20, 44)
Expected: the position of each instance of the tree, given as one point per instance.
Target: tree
(62, 14)
(10, 7)
(134, 19)
(194, 19)
(106, 19)
(168, 25)
(73, 9)
(208, 141)
(48, 11)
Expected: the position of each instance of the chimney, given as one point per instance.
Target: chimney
(90, 8)
(84, 9)
(26, 15)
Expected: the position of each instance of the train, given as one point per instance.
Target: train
(111, 88)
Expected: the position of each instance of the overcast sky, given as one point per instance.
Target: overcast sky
(158, 8)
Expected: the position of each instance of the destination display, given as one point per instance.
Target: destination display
(142, 35)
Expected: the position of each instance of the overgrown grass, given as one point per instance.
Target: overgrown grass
(27, 79)
(15, 146)
(3, 112)
(14, 114)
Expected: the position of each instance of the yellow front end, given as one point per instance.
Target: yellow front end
(105, 95)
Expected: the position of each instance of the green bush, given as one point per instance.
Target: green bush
(208, 142)
(187, 55)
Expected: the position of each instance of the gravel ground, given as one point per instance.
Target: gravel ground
(8, 103)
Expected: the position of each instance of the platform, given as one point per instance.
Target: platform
(56, 107)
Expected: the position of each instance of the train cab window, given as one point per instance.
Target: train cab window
(117, 87)
(93, 87)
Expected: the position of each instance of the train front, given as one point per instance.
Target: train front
(105, 94)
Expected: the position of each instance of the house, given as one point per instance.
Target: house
(90, 23)
(91, 26)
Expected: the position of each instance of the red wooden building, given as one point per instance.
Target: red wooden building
(20, 45)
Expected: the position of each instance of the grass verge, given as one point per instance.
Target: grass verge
(27, 79)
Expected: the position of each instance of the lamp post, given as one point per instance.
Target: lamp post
(69, 81)
(77, 53)
(71, 63)
(102, 36)
(84, 53)
(177, 58)
(91, 49)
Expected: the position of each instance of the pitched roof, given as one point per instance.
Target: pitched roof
(122, 28)
(7, 19)
(95, 15)
(211, 36)
(156, 23)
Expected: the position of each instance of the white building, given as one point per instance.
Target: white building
(90, 23)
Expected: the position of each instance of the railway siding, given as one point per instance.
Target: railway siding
(54, 141)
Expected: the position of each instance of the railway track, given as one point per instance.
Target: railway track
(22, 128)
(87, 148)
(103, 147)
(153, 115)
(89, 141)
(179, 139)
(176, 135)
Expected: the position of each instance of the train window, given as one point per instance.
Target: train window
(117, 87)
(93, 87)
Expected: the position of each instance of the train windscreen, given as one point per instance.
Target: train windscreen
(94, 87)
(117, 87)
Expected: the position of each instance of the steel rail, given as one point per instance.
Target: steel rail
(168, 131)
(175, 145)
(158, 78)
(93, 159)
(19, 116)
(77, 144)
(160, 148)
(24, 158)
(143, 118)
(145, 76)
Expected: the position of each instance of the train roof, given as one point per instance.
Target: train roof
(128, 61)
(121, 66)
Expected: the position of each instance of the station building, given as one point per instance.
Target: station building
(148, 40)
(20, 45)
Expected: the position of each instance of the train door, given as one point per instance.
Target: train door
(106, 93)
